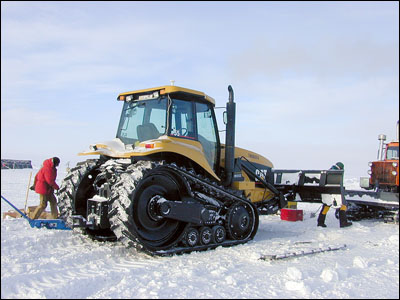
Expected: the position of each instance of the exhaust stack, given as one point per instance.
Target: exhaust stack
(230, 138)
(382, 139)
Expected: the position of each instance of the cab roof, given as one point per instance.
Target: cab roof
(171, 89)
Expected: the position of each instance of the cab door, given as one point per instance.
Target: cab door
(207, 134)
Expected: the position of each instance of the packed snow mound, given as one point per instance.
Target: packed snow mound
(41, 263)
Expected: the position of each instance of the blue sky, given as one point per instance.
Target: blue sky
(314, 82)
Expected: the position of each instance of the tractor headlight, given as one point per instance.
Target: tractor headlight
(370, 164)
(394, 173)
(394, 164)
(369, 172)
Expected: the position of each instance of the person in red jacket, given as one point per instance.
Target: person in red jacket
(45, 184)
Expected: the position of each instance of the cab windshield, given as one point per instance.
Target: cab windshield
(392, 153)
(142, 120)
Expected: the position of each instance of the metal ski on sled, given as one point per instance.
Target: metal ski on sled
(41, 223)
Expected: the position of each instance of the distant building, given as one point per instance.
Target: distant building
(16, 164)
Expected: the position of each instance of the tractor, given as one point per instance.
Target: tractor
(166, 184)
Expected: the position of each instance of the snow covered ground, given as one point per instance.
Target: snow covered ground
(41, 263)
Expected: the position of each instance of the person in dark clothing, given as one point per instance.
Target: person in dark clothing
(330, 200)
(45, 184)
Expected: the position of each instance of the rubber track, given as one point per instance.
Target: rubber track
(358, 212)
(68, 188)
(197, 184)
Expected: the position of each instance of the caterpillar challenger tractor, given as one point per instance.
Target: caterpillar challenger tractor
(166, 184)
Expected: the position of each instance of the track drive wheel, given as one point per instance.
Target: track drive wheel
(133, 214)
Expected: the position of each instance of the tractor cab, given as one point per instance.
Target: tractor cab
(173, 113)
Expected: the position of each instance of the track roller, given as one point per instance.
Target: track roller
(218, 234)
(205, 235)
(192, 237)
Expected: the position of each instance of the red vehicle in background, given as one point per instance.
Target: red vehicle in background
(384, 173)
(382, 197)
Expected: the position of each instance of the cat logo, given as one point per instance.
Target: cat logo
(261, 173)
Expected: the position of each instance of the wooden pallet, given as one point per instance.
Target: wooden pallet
(29, 212)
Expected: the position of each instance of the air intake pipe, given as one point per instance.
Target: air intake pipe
(230, 138)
